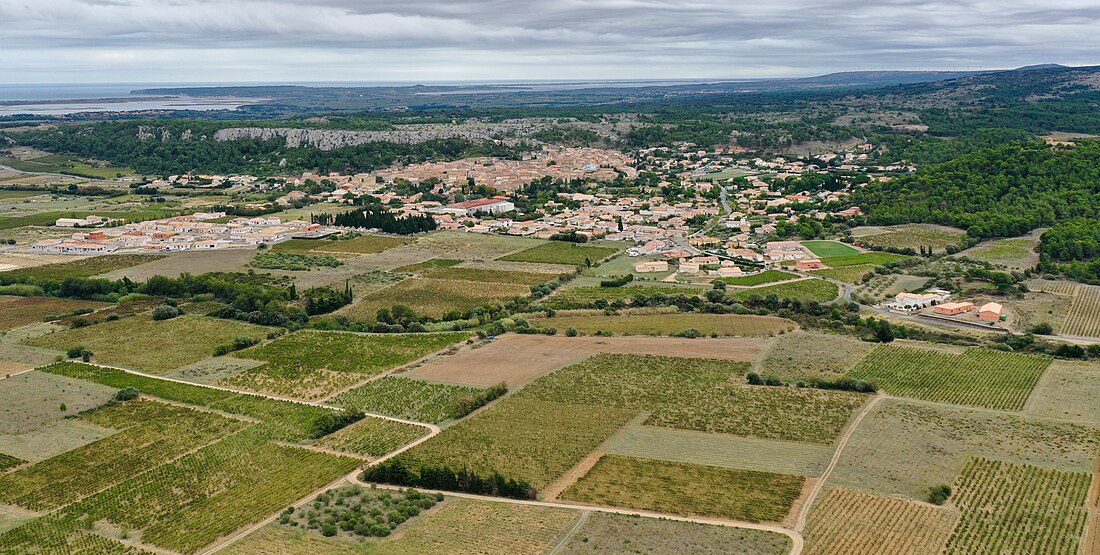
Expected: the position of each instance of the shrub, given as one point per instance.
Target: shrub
(165, 312)
(333, 421)
(938, 495)
(470, 403)
(127, 394)
(1042, 329)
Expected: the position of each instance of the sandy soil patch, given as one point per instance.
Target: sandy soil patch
(518, 359)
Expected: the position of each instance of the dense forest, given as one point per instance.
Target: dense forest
(1000, 192)
(376, 217)
(1072, 248)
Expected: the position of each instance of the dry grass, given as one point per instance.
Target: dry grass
(33, 400)
(20, 311)
(433, 297)
(847, 522)
(811, 355)
(610, 533)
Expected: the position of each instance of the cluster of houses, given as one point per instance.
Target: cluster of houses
(938, 301)
(180, 233)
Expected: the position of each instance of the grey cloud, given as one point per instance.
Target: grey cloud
(71, 40)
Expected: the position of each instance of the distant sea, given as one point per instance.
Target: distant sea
(70, 98)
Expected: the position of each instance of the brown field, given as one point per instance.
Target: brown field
(847, 522)
(541, 354)
(29, 260)
(21, 311)
(610, 533)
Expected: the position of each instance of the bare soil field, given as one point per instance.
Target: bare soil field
(195, 263)
(34, 399)
(1067, 391)
(812, 355)
(29, 260)
(611, 533)
(52, 440)
(518, 359)
(473, 246)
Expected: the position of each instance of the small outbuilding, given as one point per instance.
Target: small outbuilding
(951, 309)
(990, 312)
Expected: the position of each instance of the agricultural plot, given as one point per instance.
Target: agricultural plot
(464, 527)
(472, 246)
(865, 258)
(364, 244)
(372, 437)
(281, 420)
(314, 364)
(685, 446)
(584, 296)
(978, 377)
(522, 439)
(847, 274)
(52, 439)
(86, 267)
(687, 489)
(561, 252)
(1067, 391)
(438, 268)
(806, 290)
(406, 398)
(902, 448)
(1018, 253)
(701, 395)
(761, 278)
(434, 297)
(20, 311)
(668, 324)
(1016, 508)
(828, 249)
(35, 399)
(856, 523)
(212, 370)
(293, 261)
(152, 433)
(191, 262)
(1084, 314)
(280, 539)
(610, 533)
(7, 462)
(912, 236)
(807, 355)
(150, 345)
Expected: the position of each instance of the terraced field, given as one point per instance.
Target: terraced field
(977, 377)
(1014, 508)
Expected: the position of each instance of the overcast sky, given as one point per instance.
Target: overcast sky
(44, 41)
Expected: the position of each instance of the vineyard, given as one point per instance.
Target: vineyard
(441, 268)
(978, 377)
(152, 433)
(313, 364)
(372, 437)
(857, 523)
(8, 462)
(407, 398)
(1084, 314)
(687, 489)
(522, 439)
(769, 276)
(584, 296)
(805, 290)
(699, 394)
(605, 533)
(847, 274)
(872, 258)
(1016, 508)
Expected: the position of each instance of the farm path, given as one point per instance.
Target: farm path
(820, 484)
(572, 532)
(797, 542)
(1091, 545)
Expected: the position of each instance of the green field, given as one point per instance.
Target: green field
(407, 398)
(978, 377)
(523, 439)
(1015, 508)
(912, 236)
(871, 258)
(151, 345)
(667, 324)
(768, 276)
(293, 261)
(85, 267)
(7, 462)
(48, 218)
(372, 437)
(440, 268)
(314, 364)
(764, 455)
(698, 394)
(434, 297)
(902, 448)
(561, 252)
(847, 274)
(687, 489)
(57, 163)
(828, 249)
(806, 290)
